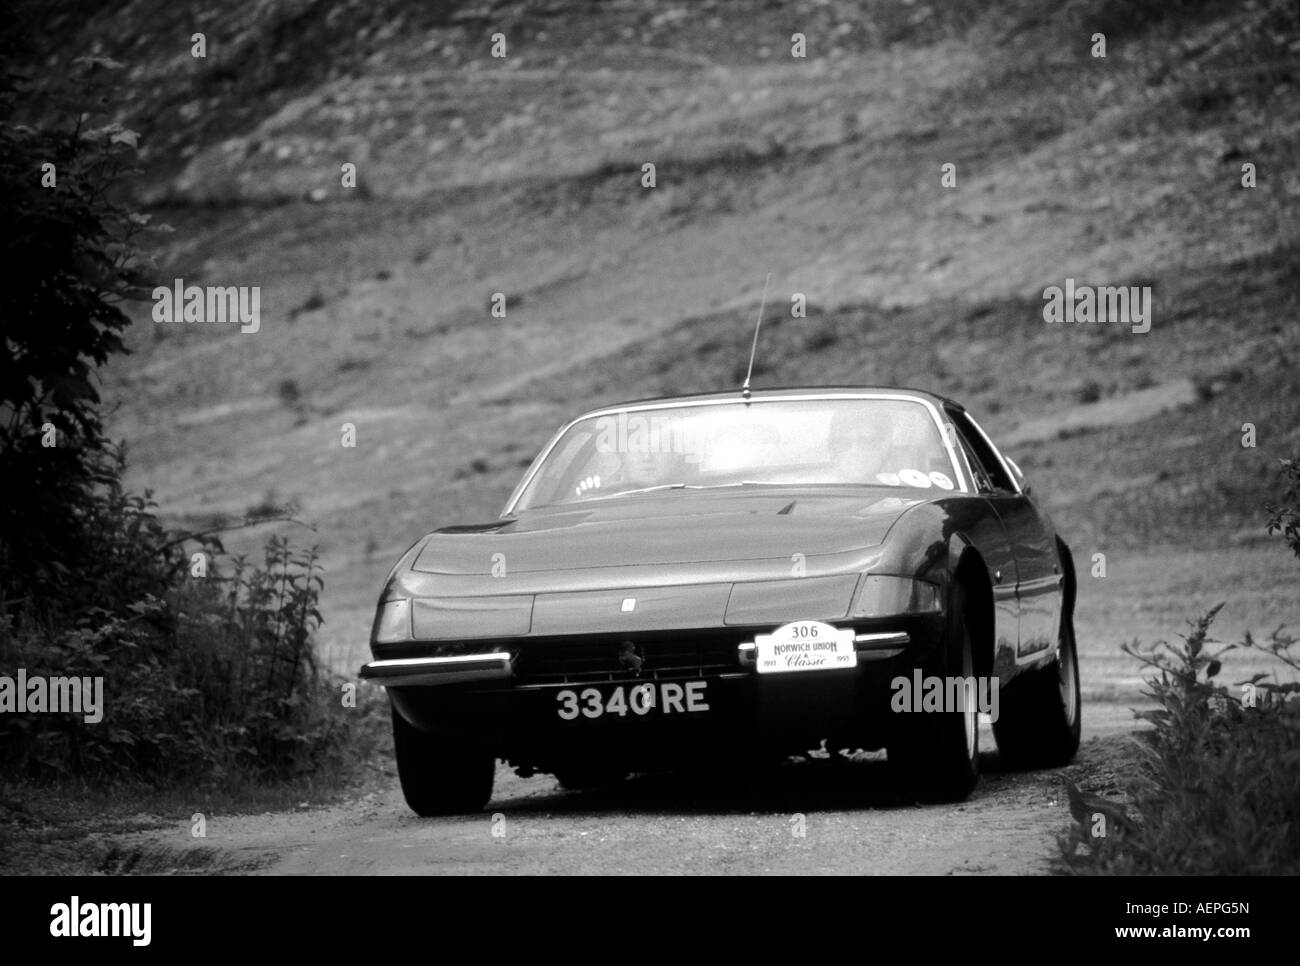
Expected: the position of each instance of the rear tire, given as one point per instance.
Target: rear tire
(935, 755)
(1039, 722)
(441, 776)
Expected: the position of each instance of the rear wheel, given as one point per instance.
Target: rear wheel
(441, 776)
(1039, 722)
(935, 755)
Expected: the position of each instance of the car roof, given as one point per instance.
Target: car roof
(786, 391)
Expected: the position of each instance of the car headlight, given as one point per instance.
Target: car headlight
(393, 622)
(793, 598)
(883, 596)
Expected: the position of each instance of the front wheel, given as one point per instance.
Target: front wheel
(440, 776)
(935, 754)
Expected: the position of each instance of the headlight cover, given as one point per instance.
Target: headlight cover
(790, 599)
(458, 618)
(393, 622)
(886, 596)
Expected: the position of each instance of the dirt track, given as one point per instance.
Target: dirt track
(663, 824)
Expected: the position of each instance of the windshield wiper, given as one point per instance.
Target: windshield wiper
(646, 489)
(684, 486)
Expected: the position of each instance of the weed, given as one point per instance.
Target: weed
(1217, 789)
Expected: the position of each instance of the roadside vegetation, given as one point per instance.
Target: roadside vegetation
(204, 660)
(1217, 786)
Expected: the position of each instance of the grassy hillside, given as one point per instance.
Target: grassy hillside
(522, 176)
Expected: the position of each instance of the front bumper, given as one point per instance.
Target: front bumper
(507, 694)
(433, 671)
(500, 665)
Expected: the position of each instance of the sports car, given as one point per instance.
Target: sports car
(736, 576)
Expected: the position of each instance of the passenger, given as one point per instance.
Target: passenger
(636, 469)
(861, 443)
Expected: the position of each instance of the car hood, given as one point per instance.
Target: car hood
(676, 527)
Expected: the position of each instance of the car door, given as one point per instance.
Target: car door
(1037, 579)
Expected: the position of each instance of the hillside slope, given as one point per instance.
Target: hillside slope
(522, 176)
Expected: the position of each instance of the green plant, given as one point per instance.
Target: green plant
(216, 677)
(1218, 784)
(1284, 518)
(1217, 787)
(69, 251)
(203, 673)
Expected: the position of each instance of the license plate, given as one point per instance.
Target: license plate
(805, 646)
(633, 700)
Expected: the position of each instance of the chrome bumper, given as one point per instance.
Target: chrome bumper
(497, 666)
(417, 671)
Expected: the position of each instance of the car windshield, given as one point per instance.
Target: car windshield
(881, 442)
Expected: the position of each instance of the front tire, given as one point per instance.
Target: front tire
(440, 776)
(935, 755)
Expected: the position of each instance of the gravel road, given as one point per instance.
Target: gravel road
(805, 817)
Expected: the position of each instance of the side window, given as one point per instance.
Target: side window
(981, 478)
(975, 478)
(978, 451)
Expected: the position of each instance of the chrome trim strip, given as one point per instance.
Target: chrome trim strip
(454, 669)
(1040, 584)
(552, 685)
(728, 401)
(880, 655)
(882, 640)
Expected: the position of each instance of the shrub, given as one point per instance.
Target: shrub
(203, 673)
(70, 261)
(215, 677)
(1217, 788)
(1284, 518)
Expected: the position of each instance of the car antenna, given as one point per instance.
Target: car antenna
(744, 390)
